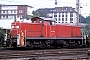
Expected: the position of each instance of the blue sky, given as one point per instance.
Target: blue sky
(85, 11)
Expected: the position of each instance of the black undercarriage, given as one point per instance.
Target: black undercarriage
(52, 42)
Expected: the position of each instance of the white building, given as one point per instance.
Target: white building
(65, 15)
(12, 11)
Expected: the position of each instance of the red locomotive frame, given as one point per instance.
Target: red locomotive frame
(43, 32)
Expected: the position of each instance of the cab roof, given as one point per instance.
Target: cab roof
(43, 18)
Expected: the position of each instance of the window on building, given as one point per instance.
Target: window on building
(71, 19)
(14, 11)
(4, 16)
(3, 11)
(55, 15)
(62, 19)
(59, 19)
(59, 14)
(66, 19)
(14, 16)
(71, 14)
(66, 14)
(20, 11)
(62, 14)
(59, 22)
(7, 16)
(66, 22)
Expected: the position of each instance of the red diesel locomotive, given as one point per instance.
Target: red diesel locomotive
(43, 32)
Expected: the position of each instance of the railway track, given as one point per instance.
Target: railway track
(44, 54)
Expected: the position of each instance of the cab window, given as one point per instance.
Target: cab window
(52, 23)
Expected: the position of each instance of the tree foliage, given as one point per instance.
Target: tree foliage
(35, 13)
(82, 19)
(1, 37)
(27, 17)
(87, 27)
(40, 13)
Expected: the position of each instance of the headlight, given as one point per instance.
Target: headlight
(17, 26)
(12, 26)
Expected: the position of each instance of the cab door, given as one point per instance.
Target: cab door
(46, 29)
(52, 31)
(49, 29)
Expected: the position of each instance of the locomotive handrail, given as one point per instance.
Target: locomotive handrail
(22, 39)
(25, 32)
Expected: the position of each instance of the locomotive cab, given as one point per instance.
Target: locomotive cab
(49, 28)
